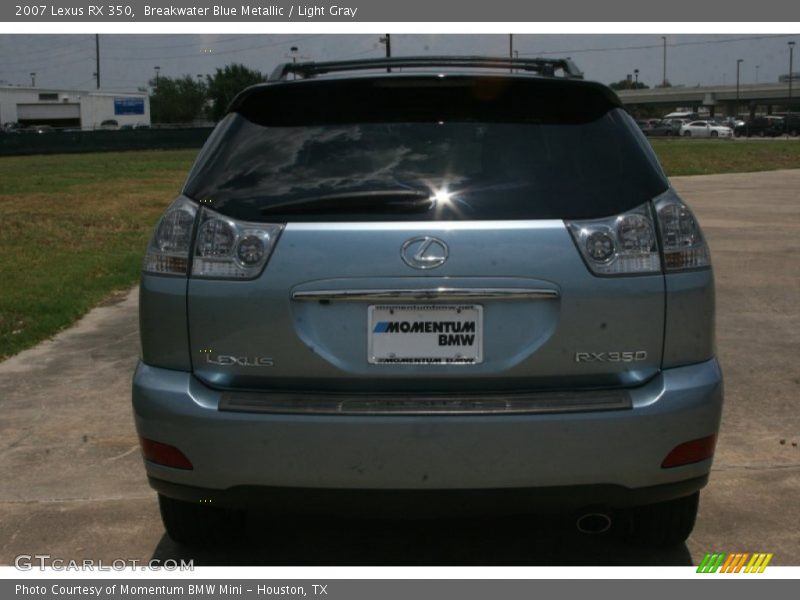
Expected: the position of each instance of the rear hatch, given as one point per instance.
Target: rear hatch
(427, 233)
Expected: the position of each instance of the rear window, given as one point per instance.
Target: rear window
(481, 148)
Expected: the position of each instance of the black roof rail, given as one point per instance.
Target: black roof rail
(541, 66)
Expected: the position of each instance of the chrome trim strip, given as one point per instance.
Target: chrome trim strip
(445, 404)
(439, 293)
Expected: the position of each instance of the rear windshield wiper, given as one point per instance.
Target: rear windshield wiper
(369, 201)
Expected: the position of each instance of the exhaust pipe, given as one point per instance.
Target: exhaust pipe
(593, 523)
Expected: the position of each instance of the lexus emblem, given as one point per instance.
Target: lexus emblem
(424, 252)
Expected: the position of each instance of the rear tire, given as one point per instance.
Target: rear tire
(664, 524)
(687, 134)
(194, 524)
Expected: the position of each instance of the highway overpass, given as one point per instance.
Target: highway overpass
(719, 100)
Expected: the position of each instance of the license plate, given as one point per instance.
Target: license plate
(425, 334)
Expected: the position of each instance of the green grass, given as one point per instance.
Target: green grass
(74, 226)
(706, 157)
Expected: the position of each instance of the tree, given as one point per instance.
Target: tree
(628, 84)
(177, 100)
(226, 83)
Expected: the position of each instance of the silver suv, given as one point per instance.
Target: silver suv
(428, 286)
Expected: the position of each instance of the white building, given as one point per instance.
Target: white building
(72, 108)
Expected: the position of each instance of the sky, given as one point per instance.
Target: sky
(127, 61)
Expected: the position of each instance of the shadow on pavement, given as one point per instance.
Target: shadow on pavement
(518, 541)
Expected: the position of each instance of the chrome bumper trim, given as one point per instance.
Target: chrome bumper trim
(439, 293)
(449, 404)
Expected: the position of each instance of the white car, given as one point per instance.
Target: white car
(705, 129)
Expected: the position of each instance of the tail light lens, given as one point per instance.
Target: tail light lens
(621, 245)
(230, 249)
(682, 241)
(168, 250)
(626, 244)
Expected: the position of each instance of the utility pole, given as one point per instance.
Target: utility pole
(33, 79)
(386, 40)
(511, 49)
(636, 77)
(157, 68)
(791, 66)
(293, 54)
(97, 56)
(739, 61)
(664, 78)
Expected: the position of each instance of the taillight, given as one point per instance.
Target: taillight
(168, 250)
(626, 244)
(682, 240)
(229, 249)
(620, 245)
(224, 248)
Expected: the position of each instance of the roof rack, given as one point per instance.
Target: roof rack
(546, 67)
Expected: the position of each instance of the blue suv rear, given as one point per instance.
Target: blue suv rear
(428, 291)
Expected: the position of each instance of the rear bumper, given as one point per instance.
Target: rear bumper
(608, 457)
(428, 503)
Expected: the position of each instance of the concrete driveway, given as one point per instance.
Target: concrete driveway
(74, 487)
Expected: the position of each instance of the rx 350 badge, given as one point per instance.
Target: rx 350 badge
(622, 356)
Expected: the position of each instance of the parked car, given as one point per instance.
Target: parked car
(705, 129)
(39, 129)
(644, 126)
(685, 115)
(769, 126)
(731, 122)
(437, 292)
(791, 124)
(666, 128)
(648, 125)
(773, 125)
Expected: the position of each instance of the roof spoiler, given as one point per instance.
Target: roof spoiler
(546, 67)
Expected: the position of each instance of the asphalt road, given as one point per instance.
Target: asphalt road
(73, 485)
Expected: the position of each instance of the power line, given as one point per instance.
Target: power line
(24, 58)
(199, 43)
(224, 52)
(69, 47)
(651, 46)
(58, 48)
(357, 54)
(50, 65)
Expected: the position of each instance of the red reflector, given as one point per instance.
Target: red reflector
(690, 452)
(164, 454)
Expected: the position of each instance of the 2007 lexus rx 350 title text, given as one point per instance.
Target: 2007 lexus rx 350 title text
(436, 288)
